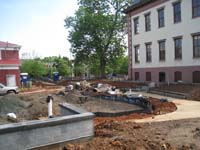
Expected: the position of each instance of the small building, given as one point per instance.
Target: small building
(164, 41)
(9, 64)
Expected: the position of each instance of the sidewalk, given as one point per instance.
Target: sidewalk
(185, 109)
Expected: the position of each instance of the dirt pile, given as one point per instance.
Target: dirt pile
(28, 107)
(75, 97)
(12, 103)
(195, 94)
(114, 135)
(132, 116)
(38, 107)
(122, 135)
(160, 108)
(197, 133)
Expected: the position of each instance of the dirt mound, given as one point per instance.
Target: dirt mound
(195, 94)
(74, 97)
(160, 108)
(114, 135)
(38, 107)
(12, 103)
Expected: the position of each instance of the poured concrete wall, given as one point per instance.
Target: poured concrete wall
(39, 133)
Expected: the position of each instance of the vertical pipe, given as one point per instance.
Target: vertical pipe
(50, 113)
(49, 100)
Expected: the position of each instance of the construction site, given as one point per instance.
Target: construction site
(127, 115)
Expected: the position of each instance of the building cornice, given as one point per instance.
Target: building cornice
(137, 5)
(143, 6)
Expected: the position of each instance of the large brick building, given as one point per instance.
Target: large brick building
(9, 64)
(164, 40)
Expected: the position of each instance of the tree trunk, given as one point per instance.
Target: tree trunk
(102, 68)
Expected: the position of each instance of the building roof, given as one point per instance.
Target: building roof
(137, 5)
(9, 45)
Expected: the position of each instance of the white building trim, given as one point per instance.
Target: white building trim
(9, 48)
(9, 68)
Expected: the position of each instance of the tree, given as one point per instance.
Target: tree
(63, 67)
(121, 65)
(34, 68)
(59, 64)
(96, 32)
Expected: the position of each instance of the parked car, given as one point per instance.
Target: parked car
(7, 90)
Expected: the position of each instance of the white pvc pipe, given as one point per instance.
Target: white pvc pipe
(50, 105)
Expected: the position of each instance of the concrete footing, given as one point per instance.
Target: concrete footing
(37, 134)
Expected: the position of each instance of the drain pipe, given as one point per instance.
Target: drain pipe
(49, 100)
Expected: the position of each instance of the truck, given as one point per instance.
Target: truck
(7, 89)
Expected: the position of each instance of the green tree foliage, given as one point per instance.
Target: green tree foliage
(34, 68)
(45, 67)
(96, 32)
(79, 69)
(63, 67)
(120, 66)
(59, 64)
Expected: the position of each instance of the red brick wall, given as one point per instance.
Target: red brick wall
(9, 54)
(3, 74)
(169, 71)
(130, 66)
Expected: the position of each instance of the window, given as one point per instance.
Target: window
(196, 77)
(177, 12)
(178, 48)
(162, 50)
(177, 76)
(136, 25)
(137, 76)
(161, 76)
(137, 52)
(148, 76)
(196, 45)
(195, 8)
(147, 22)
(161, 18)
(148, 52)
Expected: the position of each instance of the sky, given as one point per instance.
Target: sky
(37, 25)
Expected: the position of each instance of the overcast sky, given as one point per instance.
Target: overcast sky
(37, 25)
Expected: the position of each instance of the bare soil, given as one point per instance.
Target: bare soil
(113, 133)
(123, 135)
(33, 106)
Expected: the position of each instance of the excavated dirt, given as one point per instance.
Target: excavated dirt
(34, 106)
(123, 135)
(114, 133)
(160, 108)
(195, 94)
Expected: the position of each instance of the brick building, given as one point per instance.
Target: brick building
(164, 40)
(9, 64)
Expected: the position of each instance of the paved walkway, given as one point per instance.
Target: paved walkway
(185, 109)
